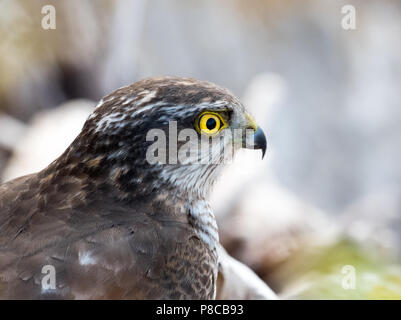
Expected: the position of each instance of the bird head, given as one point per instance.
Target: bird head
(169, 131)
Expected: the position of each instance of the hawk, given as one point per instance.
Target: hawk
(111, 224)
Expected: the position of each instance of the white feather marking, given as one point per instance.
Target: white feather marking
(128, 101)
(85, 258)
(147, 96)
(110, 119)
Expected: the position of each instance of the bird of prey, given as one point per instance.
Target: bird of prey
(107, 223)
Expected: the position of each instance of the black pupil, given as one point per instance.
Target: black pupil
(211, 123)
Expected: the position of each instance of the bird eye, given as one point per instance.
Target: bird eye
(210, 123)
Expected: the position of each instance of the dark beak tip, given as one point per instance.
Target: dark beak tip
(260, 141)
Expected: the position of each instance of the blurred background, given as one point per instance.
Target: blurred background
(326, 198)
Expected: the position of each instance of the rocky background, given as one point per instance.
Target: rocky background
(327, 198)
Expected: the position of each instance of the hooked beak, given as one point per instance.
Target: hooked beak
(260, 141)
(257, 140)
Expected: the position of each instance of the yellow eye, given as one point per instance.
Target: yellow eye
(210, 123)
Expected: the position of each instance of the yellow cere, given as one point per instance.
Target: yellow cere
(210, 123)
(251, 122)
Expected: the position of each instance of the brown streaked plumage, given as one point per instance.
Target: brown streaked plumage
(113, 225)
